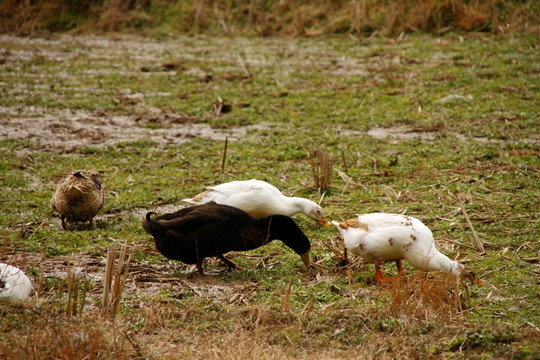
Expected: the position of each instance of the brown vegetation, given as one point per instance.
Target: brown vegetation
(290, 18)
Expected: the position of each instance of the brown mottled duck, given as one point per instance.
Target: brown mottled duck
(79, 196)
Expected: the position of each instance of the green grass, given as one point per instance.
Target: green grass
(481, 147)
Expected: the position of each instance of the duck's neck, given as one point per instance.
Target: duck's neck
(441, 262)
(265, 229)
(297, 205)
(283, 228)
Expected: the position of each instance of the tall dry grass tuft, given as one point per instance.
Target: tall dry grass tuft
(321, 168)
(77, 289)
(48, 336)
(423, 297)
(263, 18)
(115, 278)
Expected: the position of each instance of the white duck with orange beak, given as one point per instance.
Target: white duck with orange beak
(384, 237)
(259, 199)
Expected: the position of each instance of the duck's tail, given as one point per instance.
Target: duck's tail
(146, 222)
(337, 224)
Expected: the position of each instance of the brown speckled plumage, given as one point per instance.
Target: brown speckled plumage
(79, 196)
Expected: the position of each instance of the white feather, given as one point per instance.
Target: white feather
(14, 283)
(259, 199)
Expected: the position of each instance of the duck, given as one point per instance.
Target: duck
(14, 283)
(211, 230)
(79, 196)
(385, 237)
(259, 199)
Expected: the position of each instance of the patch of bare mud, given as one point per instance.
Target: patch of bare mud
(144, 277)
(65, 132)
(401, 133)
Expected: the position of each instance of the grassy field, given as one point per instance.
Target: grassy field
(436, 127)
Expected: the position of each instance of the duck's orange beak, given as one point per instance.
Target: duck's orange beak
(323, 222)
(479, 282)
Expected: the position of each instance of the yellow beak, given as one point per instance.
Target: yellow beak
(323, 223)
(479, 282)
(305, 259)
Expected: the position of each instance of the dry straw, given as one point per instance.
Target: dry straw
(321, 167)
(76, 293)
(115, 278)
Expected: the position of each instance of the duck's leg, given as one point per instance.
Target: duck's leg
(199, 267)
(63, 221)
(378, 274)
(228, 262)
(400, 270)
(91, 223)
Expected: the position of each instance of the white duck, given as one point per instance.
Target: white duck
(259, 199)
(383, 237)
(14, 283)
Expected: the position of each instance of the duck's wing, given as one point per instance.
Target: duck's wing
(383, 220)
(414, 243)
(194, 218)
(242, 187)
(223, 192)
(96, 179)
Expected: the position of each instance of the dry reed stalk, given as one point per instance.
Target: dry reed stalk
(321, 168)
(391, 18)
(386, 73)
(347, 179)
(5, 246)
(74, 299)
(70, 289)
(37, 229)
(477, 241)
(112, 291)
(248, 73)
(83, 297)
(350, 279)
(224, 154)
(120, 277)
(494, 17)
(287, 296)
(199, 15)
(111, 254)
(40, 283)
(344, 161)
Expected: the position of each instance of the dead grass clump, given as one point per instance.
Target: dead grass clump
(422, 297)
(112, 291)
(321, 167)
(263, 18)
(48, 336)
(118, 15)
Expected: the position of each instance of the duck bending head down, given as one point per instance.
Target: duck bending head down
(383, 237)
(259, 199)
(211, 230)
